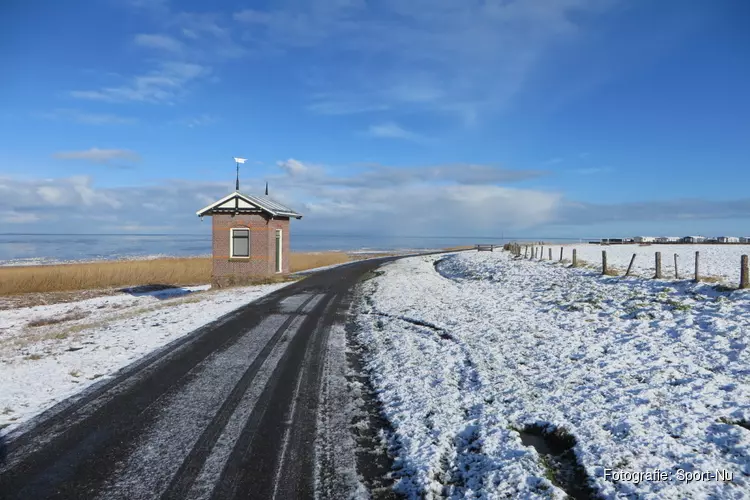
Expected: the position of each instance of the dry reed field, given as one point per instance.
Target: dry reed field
(100, 275)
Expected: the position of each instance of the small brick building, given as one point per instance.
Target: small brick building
(250, 238)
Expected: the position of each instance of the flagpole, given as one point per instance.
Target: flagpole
(237, 161)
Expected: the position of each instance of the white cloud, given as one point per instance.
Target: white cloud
(141, 228)
(160, 42)
(88, 118)
(296, 169)
(334, 106)
(13, 217)
(100, 156)
(466, 200)
(446, 56)
(391, 130)
(197, 121)
(164, 84)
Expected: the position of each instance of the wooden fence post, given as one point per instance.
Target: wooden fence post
(658, 266)
(630, 266)
(550, 254)
(541, 252)
(575, 258)
(676, 273)
(604, 262)
(561, 251)
(697, 267)
(744, 283)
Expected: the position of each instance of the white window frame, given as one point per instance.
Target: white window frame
(231, 243)
(279, 235)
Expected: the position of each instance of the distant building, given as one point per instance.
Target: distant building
(667, 239)
(693, 239)
(643, 239)
(745, 239)
(728, 239)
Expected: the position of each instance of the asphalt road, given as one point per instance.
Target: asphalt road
(228, 411)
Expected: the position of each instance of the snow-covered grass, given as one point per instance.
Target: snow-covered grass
(468, 352)
(721, 262)
(78, 343)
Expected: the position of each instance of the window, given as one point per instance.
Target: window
(240, 242)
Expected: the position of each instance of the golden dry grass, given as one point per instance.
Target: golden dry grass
(305, 261)
(101, 275)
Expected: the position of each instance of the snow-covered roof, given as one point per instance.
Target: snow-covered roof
(239, 202)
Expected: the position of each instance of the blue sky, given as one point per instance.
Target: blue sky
(558, 118)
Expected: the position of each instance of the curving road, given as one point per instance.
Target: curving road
(228, 411)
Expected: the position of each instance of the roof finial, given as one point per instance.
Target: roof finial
(237, 162)
(266, 188)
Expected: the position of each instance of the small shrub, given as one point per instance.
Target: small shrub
(678, 306)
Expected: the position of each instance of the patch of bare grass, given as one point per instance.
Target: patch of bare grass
(304, 261)
(46, 298)
(71, 316)
(458, 249)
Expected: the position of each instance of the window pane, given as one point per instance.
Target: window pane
(241, 243)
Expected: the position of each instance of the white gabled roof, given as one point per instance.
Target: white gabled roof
(248, 202)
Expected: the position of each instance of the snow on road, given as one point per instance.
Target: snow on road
(720, 261)
(91, 339)
(644, 374)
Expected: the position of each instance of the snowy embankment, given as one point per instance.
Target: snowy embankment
(471, 352)
(716, 261)
(50, 352)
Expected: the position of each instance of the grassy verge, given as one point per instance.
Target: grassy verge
(100, 275)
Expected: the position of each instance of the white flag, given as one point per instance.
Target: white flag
(240, 160)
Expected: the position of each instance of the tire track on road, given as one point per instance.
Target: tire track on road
(82, 459)
(185, 476)
(250, 469)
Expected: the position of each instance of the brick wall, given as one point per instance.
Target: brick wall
(262, 262)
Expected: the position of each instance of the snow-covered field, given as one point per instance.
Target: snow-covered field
(720, 261)
(467, 352)
(91, 339)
